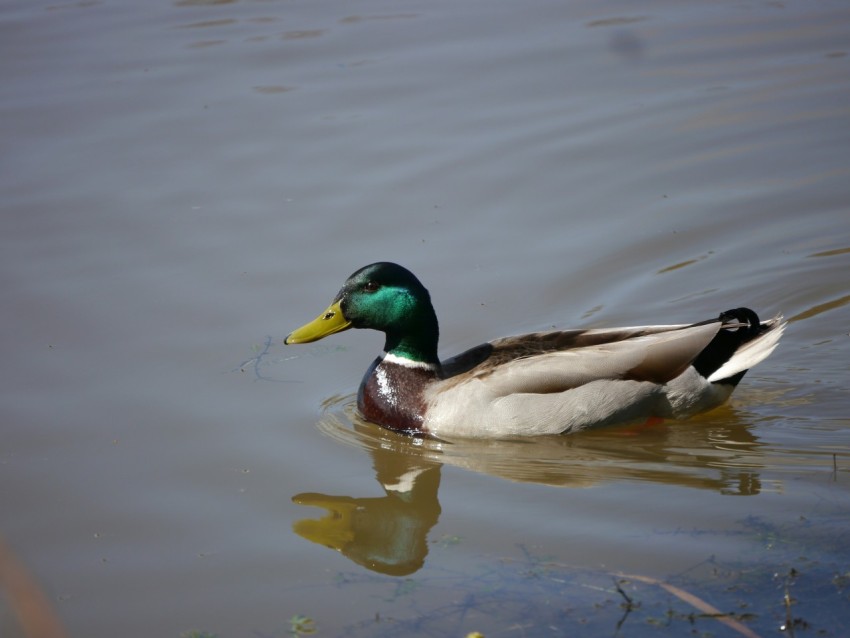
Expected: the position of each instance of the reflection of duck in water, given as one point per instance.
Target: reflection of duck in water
(542, 383)
(387, 534)
(716, 452)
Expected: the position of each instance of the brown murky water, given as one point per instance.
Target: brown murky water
(185, 182)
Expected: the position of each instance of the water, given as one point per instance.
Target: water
(185, 182)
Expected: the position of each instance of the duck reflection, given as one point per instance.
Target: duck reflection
(388, 534)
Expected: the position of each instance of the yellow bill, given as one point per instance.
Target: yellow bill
(330, 321)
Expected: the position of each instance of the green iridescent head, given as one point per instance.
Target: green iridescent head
(385, 297)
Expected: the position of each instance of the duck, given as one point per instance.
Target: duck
(543, 383)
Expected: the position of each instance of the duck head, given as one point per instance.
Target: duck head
(386, 297)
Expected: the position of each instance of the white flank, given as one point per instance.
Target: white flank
(752, 352)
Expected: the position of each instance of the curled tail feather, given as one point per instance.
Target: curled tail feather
(743, 342)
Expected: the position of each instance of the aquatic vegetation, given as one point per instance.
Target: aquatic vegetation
(538, 597)
(301, 625)
(533, 594)
(792, 577)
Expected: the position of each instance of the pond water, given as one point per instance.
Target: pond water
(186, 181)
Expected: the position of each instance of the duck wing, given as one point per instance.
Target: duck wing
(556, 361)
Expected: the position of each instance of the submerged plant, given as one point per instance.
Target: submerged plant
(301, 625)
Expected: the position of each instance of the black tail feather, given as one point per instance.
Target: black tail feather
(747, 326)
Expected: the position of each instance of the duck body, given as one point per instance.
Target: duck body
(540, 383)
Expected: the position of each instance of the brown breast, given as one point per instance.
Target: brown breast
(392, 395)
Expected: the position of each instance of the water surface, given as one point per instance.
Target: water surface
(185, 182)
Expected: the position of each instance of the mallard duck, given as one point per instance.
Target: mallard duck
(533, 384)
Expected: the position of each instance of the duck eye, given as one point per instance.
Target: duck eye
(371, 286)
